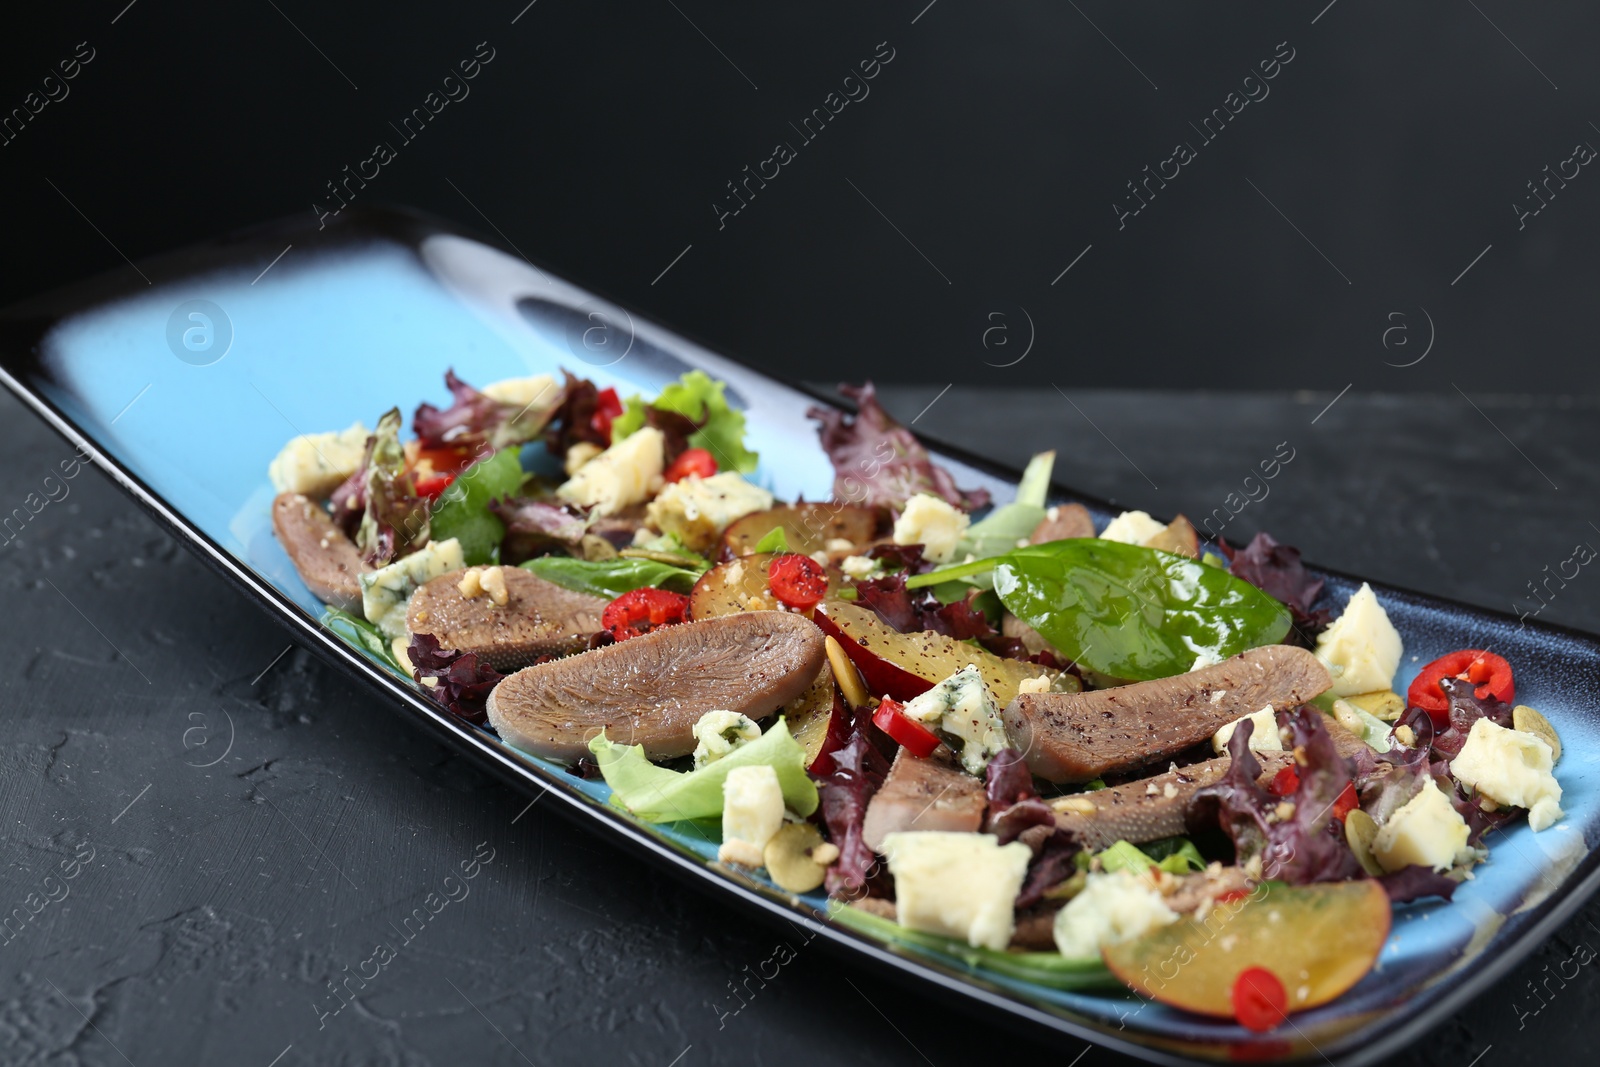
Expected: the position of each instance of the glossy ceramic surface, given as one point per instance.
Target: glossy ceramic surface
(186, 412)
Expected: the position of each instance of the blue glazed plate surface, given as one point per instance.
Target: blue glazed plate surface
(367, 315)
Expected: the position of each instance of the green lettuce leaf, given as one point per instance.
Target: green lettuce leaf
(657, 794)
(1049, 969)
(1175, 855)
(611, 578)
(1006, 525)
(698, 397)
(462, 511)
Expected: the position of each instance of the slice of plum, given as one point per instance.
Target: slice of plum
(904, 665)
(1318, 940)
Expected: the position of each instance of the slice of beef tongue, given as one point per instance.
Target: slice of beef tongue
(539, 618)
(923, 794)
(326, 560)
(1153, 808)
(1077, 737)
(652, 689)
(1149, 809)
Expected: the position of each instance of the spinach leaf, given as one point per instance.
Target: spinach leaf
(1133, 612)
(611, 578)
(1127, 611)
(462, 511)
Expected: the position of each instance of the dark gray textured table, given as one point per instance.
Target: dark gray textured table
(211, 904)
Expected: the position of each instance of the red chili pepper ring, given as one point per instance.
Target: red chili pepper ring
(1489, 674)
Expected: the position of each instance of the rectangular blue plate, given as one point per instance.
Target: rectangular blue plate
(185, 388)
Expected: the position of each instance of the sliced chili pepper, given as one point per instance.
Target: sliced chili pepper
(642, 610)
(1285, 783)
(908, 732)
(445, 460)
(695, 461)
(1260, 1002)
(433, 486)
(1232, 895)
(1489, 674)
(436, 468)
(1346, 802)
(799, 582)
(607, 406)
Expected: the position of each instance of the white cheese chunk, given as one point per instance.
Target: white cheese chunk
(1361, 649)
(626, 473)
(859, 567)
(1132, 528)
(752, 811)
(1264, 738)
(578, 455)
(386, 591)
(1426, 831)
(719, 733)
(535, 393)
(315, 463)
(1112, 907)
(962, 707)
(932, 523)
(1510, 767)
(957, 884)
(699, 509)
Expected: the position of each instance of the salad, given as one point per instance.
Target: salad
(1075, 757)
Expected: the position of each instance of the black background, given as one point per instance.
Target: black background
(597, 141)
(996, 143)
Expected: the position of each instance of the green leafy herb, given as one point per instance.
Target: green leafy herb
(1127, 611)
(362, 634)
(657, 794)
(1049, 969)
(775, 541)
(610, 578)
(462, 511)
(698, 397)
